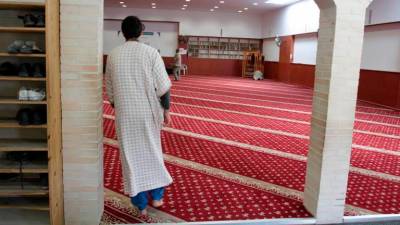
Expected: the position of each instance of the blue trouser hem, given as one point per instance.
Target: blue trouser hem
(142, 199)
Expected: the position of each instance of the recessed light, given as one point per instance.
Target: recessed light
(121, 2)
(279, 2)
(188, 0)
(124, 6)
(183, 8)
(153, 3)
(255, 3)
(222, 2)
(246, 8)
(239, 11)
(216, 7)
(212, 10)
(154, 7)
(185, 5)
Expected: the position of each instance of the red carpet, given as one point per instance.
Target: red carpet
(237, 150)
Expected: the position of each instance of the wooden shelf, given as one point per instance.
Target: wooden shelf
(5, 54)
(10, 166)
(17, 78)
(22, 5)
(37, 204)
(17, 145)
(5, 101)
(13, 189)
(23, 29)
(14, 124)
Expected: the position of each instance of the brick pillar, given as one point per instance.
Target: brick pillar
(335, 95)
(81, 81)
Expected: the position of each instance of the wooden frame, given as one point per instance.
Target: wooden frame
(56, 193)
(52, 199)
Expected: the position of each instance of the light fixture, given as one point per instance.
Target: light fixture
(185, 5)
(121, 2)
(216, 7)
(183, 8)
(124, 6)
(255, 3)
(239, 11)
(246, 8)
(222, 2)
(279, 2)
(154, 7)
(188, 0)
(153, 3)
(212, 10)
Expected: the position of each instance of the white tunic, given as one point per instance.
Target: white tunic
(135, 80)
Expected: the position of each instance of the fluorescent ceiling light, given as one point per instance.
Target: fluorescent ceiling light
(124, 6)
(255, 3)
(222, 2)
(246, 8)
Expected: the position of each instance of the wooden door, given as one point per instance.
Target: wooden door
(285, 58)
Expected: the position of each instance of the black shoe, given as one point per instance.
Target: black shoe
(40, 21)
(39, 117)
(38, 70)
(24, 117)
(8, 69)
(29, 20)
(25, 70)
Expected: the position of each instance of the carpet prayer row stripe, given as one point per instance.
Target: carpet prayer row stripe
(280, 86)
(197, 196)
(267, 100)
(244, 180)
(377, 162)
(299, 110)
(373, 119)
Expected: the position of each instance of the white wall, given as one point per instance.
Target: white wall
(383, 11)
(305, 49)
(165, 37)
(302, 17)
(198, 23)
(270, 50)
(381, 49)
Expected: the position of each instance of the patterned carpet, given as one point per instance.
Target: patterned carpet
(237, 150)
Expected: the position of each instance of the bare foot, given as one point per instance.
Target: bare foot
(143, 212)
(158, 203)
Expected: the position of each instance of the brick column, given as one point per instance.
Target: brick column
(81, 81)
(335, 95)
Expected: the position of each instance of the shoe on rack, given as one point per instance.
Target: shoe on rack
(24, 117)
(38, 70)
(30, 47)
(8, 69)
(40, 21)
(29, 20)
(39, 117)
(25, 70)
(23, 94)
(15, 47)
(36, 94)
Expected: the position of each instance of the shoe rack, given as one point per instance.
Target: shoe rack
(31, 191)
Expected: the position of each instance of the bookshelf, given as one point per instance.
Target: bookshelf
(221, 47)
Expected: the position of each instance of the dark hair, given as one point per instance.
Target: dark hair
(132, 27)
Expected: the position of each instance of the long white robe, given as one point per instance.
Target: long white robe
(135, 80)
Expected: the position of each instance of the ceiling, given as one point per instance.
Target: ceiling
(203, 5)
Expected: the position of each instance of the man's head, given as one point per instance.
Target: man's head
(177, 51)
(132, 27)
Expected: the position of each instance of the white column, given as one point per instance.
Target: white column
(81, 88)
(335, 94)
